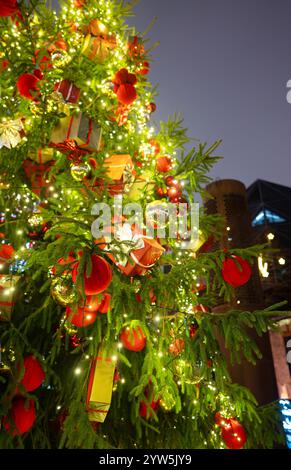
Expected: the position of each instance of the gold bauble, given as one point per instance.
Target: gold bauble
(187, 372)
(79, 171)
(157, 214)
(167, 401)
(62, 292)
(35, 220)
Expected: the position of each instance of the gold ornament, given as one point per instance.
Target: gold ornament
(167, 401)
(35, 220)
(157, 214)
(188, 373)
(79, 172)
(62, 292)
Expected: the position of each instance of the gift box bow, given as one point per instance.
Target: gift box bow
(127, 241)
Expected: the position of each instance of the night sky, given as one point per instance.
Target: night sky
(224, 64)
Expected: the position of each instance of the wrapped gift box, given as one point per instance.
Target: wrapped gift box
(143, 251)
(100, 385)
(42, 155)
(79, 128)
(120, 169)
(7, 287)
(37, 175)
(69, 91)
(98, 48)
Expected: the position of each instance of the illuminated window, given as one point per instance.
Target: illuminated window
(267, 216)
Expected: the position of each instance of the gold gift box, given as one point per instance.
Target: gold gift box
(86, 133)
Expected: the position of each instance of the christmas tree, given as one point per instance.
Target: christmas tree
(109, 338)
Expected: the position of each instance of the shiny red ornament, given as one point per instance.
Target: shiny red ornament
(105, 303)
(233, 434)
(6, 252)
(27, 84)
(161, 192)
(79, 3)
(80, 319)
(220, 420)
(192, 331)
(133, 339)
(145, 68)
(22, 416)
(164, 164)
(151, 107)
(33, 373)
(99, 278)
(177, 346)
(174, 194)
(8, 7)
(236, 271)
(74, 341)
(91, 303)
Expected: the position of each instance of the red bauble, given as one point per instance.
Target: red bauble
(22, 415)
(26, 84)
(92, 303)
(105, 303)
(193, 330)
(63, 261)
(220, 420)
(33, 373)
(6, 252)
(126, 94)
(100, 277)
(177, 346)
(174, 194)
(164, 164)
(8, 7)
(80, 319)
(145, 68)
(236, 271)
(151, 107)
(233, 434)
(145, 411)
(133, 339)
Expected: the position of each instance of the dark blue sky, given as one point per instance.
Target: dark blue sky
(224, 65)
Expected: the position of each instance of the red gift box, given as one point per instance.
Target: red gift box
(144, 255)
(69, 91)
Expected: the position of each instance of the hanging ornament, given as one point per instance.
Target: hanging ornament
(8, 7)
(74, 341)
(164, 164)
(233, 434)
(193, 330)
(80, 171)
(91, 303)
(80, 319)
(151, 107)
(11, 133)
(27, 85)
(157, 214)
(62, 291)
(177, 346)
(33, 373)
(105, 303)
(167, 401)
(61, 58)
(35, 220)
(188, 373)
(22, 416)
(99, 278)
(236, 271)
(133, 339)
(6, 252)
(144, 68)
